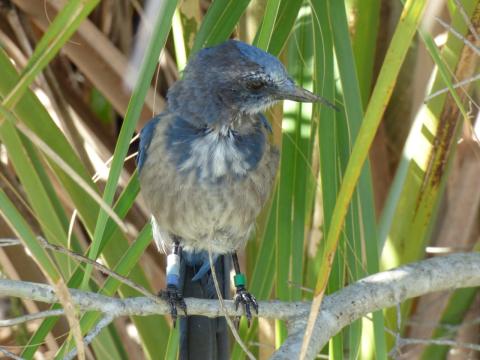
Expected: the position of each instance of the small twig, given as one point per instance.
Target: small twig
(97, 175)
(100, 268)
(399, 318)
(298, 286)
(455, 86)
(459, 36)
(10, 354)
(395, 352)
(441, 342)
(29, 317)
(9, 242)
(467, 19)
(104, 322)
(467, 42)
(447, 327)
(385, 328)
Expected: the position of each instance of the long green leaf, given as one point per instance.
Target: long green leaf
(266, 29)
(284, 25)
(22, 229)
(46, 213)
(58, 33)
(219, 22)
(367, 19)
(381, 94)
(161, 28)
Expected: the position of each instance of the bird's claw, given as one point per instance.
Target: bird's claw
(247, 300)
(174, 298)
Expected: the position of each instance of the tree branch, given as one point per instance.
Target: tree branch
(104, 322)
(381, 291)
(373, 293)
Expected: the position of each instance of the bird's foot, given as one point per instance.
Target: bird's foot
(174, 298)
(247, 300)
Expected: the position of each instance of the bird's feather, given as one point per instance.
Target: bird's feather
(146, 136)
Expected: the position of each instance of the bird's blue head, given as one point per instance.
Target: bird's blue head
(230, 79)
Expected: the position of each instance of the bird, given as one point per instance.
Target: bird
(207, 167)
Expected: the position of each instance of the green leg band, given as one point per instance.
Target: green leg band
(239, 280)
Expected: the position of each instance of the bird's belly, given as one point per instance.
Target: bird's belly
(220, 217)
(204, 217)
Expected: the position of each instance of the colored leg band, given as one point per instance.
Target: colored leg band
(172, 280)
(173, 269)
(239, 280)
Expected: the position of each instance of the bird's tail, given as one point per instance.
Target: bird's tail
(202, 337)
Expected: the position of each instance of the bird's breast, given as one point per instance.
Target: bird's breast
(213, 154)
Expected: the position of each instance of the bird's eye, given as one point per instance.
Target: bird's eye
(255, 84)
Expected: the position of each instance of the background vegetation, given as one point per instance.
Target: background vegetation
(77, 82)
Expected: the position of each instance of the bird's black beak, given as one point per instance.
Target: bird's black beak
(296, 93)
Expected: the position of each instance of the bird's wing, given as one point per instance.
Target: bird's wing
(199, 261)
(146, 136)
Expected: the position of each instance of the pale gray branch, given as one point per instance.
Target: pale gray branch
(142, 306)
(373, 293)
(30, 317)
(455, 86)
(10, 355)
(4, 242)
(459, 36)
(467, 19)
(104, 322)
(97, 266)
(400, 342)
(379, 291)
(442, 342)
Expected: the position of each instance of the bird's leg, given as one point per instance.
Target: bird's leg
(172, 294)
(243, 296)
